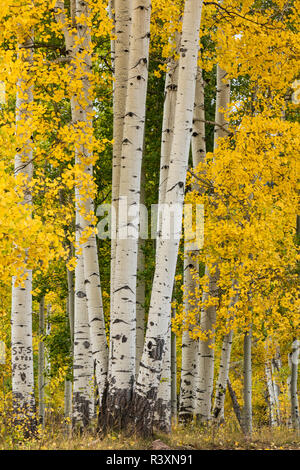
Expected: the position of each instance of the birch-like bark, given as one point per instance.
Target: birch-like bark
(208, 315)
(206, 354)
(247, 411)
(120, 47)
(78, 45)
(123, 314)
(70, 320)
(171, 85)
(168, 240)
(271, 397)
(82, 361)
(275, 367)
(235, 404)
(162, 410)
(173, 374)
(21, 311)
(191, 269)
(222, 101)
(189, 345)
(221, 385)
(41, 362)
(293, 385)
(162, 416)
(82, 114)
(141, 287)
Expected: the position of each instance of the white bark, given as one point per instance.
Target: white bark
(141, 288)
(271, 395)
(189, 345)
(41, 362)
(167, 245)
(81, 108)
(173, 374)
(221, 385)
(123, 314)
(293, 385)
(208, 315)
(247, 411)
(206, 354)
(82, 361)
(120, 47)
(21, 312)
(162, 411)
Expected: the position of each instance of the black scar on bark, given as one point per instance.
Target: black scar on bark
(115, 411)
(162, 409)
(81, 405)
(156, 350)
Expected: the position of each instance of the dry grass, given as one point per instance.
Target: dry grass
(192, 437)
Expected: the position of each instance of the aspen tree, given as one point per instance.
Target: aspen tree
(123, 315)
(83, 365)
(21, 310)
(78, 45)
(120, 48)
(208, 314)
(189, 345)
(162, 416)
(221, 384)
(247, 410)
(41, 362)
(189, 371)
(294, 359)
(168, 240)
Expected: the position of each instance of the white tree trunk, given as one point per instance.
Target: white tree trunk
(173, 374)
(123, 314)
(293, 385)
(271, 395)
(247, 411)
(141, 288)
(120, 47)
(189, 345)
(21, 311)
(82, 362)
(221, 385)
(78, 44)
(208, 315)
(191, 268)
(162, 410)
(168, 241)
(41, 362)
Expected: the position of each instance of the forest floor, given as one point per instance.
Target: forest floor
(189, 437)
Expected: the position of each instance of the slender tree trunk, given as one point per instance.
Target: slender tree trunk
(208, 315)
(173, 374)
(168, 240)
(189, 345)
(123, 314)
(221, 385)
(120, 49)
(235, 404)
(293, 385)
(70, 320)
(206, 350)
(82, 362)
(41, 362)
(247, 411)
(141, 287)
(189, 371)
(162, 410)
(275, 367)
(21, 312)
